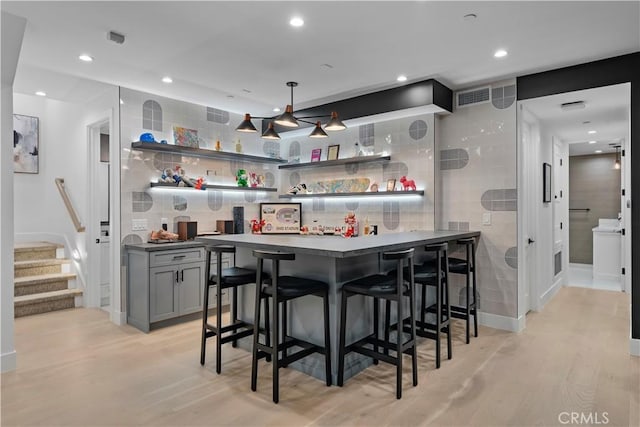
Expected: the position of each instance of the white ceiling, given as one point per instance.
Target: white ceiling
(214, 49)
(606, 111)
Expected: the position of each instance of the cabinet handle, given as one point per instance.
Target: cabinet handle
(177, 257)
(176, 276)
(182, 275)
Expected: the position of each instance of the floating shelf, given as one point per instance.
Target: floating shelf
(324, 163)
(363, 194)
(212, 187)
(200, 152)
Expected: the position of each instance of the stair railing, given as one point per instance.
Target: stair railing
(67, 202)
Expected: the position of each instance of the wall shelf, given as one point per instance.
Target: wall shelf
(362, 194)
(324, 163)
(212, 187)
(200, 152)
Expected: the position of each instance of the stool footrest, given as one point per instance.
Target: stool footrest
(461, 309)
(230, 327)
(307, 349)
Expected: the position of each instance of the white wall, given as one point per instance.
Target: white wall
(12, 33)
(38, 207)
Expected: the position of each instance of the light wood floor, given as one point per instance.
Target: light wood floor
(76, 368)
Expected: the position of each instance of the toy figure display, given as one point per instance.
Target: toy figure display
(179, 177)
(256, 226)
(242, 178)
(352, 225)
(407, 184)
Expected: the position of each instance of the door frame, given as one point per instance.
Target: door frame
(93, 208)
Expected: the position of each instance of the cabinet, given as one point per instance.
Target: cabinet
(164, 283)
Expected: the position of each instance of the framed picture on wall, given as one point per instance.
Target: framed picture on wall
(391, 184)
(332, 152)
(26, 144)
(546, 183)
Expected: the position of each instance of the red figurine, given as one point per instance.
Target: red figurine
(407, 184)
(256, 226)
(352, 225)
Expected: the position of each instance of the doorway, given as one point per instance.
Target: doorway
(559, 128)
(99, 284)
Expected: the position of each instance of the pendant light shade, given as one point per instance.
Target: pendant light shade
(286, 119)
(270, 133)
(318, 132)
(616, 165)
(334, 123)
(246, 125)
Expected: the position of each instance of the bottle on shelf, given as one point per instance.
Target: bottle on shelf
(218, 146)
(238, 146)
(366, 226)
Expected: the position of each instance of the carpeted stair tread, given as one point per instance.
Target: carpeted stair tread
(43, 278)
(46, 296)
(41, 262)
(35, 246)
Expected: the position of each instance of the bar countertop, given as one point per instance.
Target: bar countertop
(337, 246)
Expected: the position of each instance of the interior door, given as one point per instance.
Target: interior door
(530, 196)
(560, 210)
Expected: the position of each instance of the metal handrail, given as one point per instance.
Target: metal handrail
(67, 202)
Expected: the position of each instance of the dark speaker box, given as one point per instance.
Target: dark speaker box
(224, 226)
(238, 219)
(187, 230)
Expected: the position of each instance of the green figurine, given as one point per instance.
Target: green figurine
(242, 178)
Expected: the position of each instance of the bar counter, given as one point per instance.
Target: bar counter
(334, 260)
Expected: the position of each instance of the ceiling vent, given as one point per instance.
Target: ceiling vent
(473, 97)
(575, 105)
(115, 37)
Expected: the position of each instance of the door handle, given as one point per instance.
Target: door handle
(530, 240)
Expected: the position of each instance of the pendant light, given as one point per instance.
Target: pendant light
(289, 120)
(616, 165)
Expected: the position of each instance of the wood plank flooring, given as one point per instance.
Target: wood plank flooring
(75, 368)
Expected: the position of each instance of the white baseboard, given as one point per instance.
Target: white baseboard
(119, 318)
(505, 323)
(634, 346)
(8, 361)
(546, 297)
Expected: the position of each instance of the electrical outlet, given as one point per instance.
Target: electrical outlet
(486, 218)
(138, 224)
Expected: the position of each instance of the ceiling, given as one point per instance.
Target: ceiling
(238, 55)
(606, 111)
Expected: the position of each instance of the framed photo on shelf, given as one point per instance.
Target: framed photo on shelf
(332, 152)
(315, 154)
(281, 218)
(391, 184)
(25, 144)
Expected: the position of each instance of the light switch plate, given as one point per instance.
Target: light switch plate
(486, 218)
(138, 224)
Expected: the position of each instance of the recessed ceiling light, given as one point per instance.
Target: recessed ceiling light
(591, 132)
(500, 53)
(598, 151)
(41, 93)
(402, 78)
(296, 21)
(167, 79)
(276, 110)
(592, 142)
(86, 58)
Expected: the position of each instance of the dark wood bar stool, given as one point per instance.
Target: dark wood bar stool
(282, 289)
(467, 267)
(428, 274)
(389, 288)
(224, 278)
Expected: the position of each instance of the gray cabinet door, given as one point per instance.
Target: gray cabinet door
(191, 287)
(163, 293)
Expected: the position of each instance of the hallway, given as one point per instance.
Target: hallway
(76, 368)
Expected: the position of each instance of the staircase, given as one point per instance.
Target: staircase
(41, 279)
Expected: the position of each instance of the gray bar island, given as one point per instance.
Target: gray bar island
(334, 260)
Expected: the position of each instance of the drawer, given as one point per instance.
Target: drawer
(177, 256)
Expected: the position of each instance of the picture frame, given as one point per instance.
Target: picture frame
(332, 152)
(546, 183)
(281, 218)
(26, 144)
(315, 154)
(391, 184)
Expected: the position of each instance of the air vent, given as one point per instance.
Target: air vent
(473, 97)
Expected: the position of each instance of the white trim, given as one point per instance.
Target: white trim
(119, 318)
(634, 346)
(8, 361)
(546, 296)
(505, 323)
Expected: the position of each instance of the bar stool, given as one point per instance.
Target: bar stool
(467, 267)
(428, 274)
(282, 289)
(229, 278)
(389, 288)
